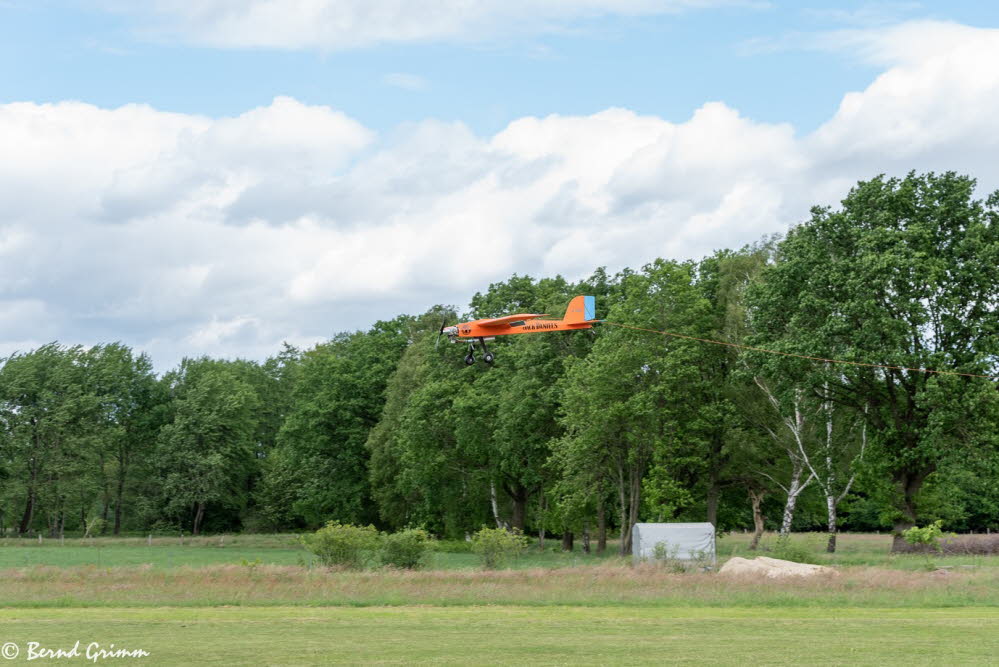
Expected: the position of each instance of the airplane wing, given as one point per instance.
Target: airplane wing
(507, 320)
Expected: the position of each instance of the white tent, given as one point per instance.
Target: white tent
(682, 541)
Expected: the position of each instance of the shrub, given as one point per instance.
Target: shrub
(342, 544)
(926, 539)
(496, 546)
(406, 549)
(928, 536)
(667, 555)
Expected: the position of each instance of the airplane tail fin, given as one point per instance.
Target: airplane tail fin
(581, 309)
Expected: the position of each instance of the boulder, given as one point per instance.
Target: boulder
(772, 568)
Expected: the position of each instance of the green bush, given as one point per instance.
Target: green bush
(406, 549)
(342, 544)
(926, 539)
(667, 555)
(496, 546)
(927, 536)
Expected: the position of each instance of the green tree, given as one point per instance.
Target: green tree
(409, 476)
(903, 276)
(630, 397)
(338, 398)
(205, 453)
(131, 410)
(47, 418)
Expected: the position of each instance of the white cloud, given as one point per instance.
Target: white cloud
(345, 24)
(188, 235)
(937, 99)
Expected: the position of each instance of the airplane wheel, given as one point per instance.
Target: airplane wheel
(469, 359)
(488, 358)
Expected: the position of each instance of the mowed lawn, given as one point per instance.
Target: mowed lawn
(519, 635)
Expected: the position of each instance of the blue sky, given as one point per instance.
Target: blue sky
(216, 177)
(666, 65)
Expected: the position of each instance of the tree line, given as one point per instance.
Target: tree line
(570, 434)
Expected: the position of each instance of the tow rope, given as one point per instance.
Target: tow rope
(798, 356)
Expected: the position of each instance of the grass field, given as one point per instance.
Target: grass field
(260, 599)
(517, 635)
(267, 550)
(169, 552)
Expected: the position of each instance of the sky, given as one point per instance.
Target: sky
(217, 177)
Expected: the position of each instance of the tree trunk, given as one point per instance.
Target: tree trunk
(29, 512)
(198, 517)
(119, 495)
(830, 481)
(544, 516)
(630, 497)
(586, 537)
(712, 499)
(567, 540)
(636, 474)
(756, 497)
(794, 490)
(519, 497)
(495, 506)
(623, 500)
(105, 496)
(785, 524)
(831, 511)
(910, 484)
(601, 526)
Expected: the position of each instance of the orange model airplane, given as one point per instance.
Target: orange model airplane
(581, 314)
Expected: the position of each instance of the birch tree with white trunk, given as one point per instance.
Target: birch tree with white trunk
(796, 424)
(828, 454)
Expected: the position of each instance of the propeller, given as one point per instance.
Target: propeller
(440, 331)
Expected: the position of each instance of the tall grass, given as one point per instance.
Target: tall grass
(265, 585)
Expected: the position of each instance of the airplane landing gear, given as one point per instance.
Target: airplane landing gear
(487, 356)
